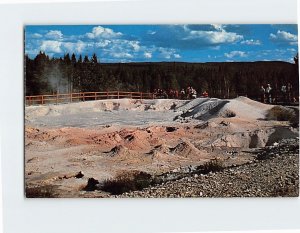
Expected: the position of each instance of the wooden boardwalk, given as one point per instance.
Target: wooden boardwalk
(84, 96)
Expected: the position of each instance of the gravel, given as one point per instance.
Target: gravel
(274, 174)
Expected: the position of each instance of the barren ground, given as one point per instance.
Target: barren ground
(67, 144)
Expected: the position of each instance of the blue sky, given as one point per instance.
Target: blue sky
(152, 43)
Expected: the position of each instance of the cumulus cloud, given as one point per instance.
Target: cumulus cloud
(121, 55)
(103, 43)
(135, 45)
(166, 53)
(54, 34)
(235, 54)
(251, 42)
(147, 55)
(214, 37)
(284, 37)
(177, 56)
(101, 32)
(77, 47)
(35, 36)
(218, 27)
(51, 46)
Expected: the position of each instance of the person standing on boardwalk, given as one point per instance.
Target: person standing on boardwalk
(269, 93)
(284, 94)
(262, 94)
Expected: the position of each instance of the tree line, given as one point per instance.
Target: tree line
(71, 73)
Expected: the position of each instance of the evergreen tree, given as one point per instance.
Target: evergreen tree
(86, 59)
(94, 59)
(80, 59)
(73, 59)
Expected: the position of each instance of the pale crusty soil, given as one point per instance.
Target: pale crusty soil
(102, 139)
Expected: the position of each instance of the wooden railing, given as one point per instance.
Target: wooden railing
(84, 96)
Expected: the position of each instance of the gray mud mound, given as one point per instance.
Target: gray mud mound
(207, 108)
(201, 109)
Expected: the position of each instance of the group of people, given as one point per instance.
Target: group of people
(163, 94)
(188, 93)
(267, 94)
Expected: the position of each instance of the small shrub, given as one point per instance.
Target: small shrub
(214, 165)
(40, 192)
(126, 182)
(228, 114)
(279, 113)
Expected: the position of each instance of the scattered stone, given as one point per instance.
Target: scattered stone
(91, 185)
(170, 129)
(79, 175)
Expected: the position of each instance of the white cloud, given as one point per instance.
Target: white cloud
(235, 54)
(71, 47)
(177, 55)
(147, 55)
(168, 53)
(215, 37)
(80, 46)
(102, 44)
(54, 34)
(135, 45)
(121, 55)
(36, 35)
(283, 36)
(218, 27)
(101, 32)
(151, 32)
(292, 50)
(51, 46)
(251, 42)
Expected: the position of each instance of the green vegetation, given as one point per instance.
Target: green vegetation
(126, 182)
(279, 113)
(214, 165)
(41, 192)
(44, 75)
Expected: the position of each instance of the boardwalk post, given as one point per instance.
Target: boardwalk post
(71, 96)
(118, 95)
(83, 97)
(95, 95)
(56, 98)
(42, 97)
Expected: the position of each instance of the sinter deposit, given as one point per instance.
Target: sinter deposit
(80, 149)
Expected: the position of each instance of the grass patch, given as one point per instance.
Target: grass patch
(126, 182)
(214, 165)
(279, 113)
(40, 192)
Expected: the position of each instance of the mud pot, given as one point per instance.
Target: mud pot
(88, 149)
